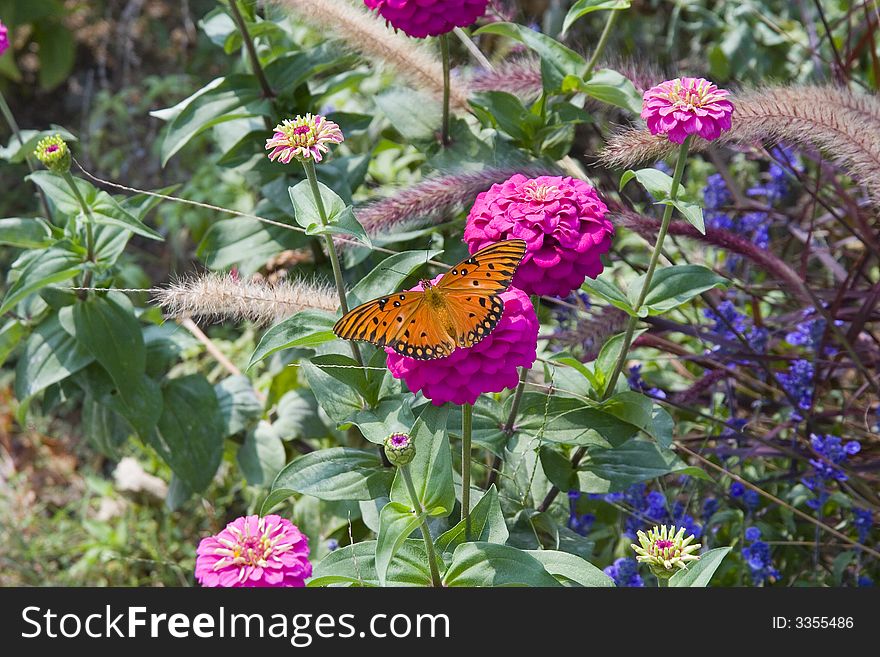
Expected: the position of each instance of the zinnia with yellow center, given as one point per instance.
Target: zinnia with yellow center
(687, 106)
(303, 138)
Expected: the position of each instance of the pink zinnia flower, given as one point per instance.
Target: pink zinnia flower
(302, 138)
(562, 221)
(687, 106)
(423, 18)
(491, 365)
(4, 38)
(254, 552)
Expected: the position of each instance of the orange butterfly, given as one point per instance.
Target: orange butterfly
(459, 311)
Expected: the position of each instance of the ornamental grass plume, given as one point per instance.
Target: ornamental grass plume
(433, 199)
(840, 123)
(221, 296)
(420, 19)
(255, 551)
(491, 365)
(378, 44)
(687, 106)
(665, 550)
(562, 221)
(303, 138)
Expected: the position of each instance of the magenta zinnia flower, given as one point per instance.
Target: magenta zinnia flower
(4, 38)
(687, 106)
(423, 18)
(302, 138)
(562, 221)
(489, 366)
(254, 552)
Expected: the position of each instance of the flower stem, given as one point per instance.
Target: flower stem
(662, 582)
(652, 267)
(423, 525)
(633, 320)
(467, 420)
(444, 54)
(312, 176)
(260, 74)
(603, 41)
(90, 236)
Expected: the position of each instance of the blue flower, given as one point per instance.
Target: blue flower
(332, 544)
(757, 556)
(825, 470)
(715, 193)
(634, 378)
(751, 499)
(864, 580)
(753, 534)
(798, 382)
(737, 489)
(625, 572)
(864, 521)
(710, 506)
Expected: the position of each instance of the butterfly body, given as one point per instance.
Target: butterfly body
(458, 311)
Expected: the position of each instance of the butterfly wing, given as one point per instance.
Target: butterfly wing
(402, 321)
(489, 271)
(472, 290)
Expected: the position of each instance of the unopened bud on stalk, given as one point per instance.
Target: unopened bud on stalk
(400, 449)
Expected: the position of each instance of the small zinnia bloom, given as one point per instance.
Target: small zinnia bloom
(687, 106)
(562, 221)
(302, 138)
(665, 550)
(491, 365)
(423, 18)
(4, 38)
(53, 153)
(400, 449)
(255, 552)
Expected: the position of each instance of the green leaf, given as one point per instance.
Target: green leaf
(583, 7)
(107, 328)
(488, 564)
(431, 469)
(336, 381)
(25, 233)
(103, 207)
(355, 565)
(389, 416)
(340, 218)
(245, 242)
(308, 328)
(557, 468)
(608, 290)
(233, 97)
(189, 434)
(510, 114)
(608, 356)
(50, 355)
(105, 428)
(52, 266)
(568, 567)
(570, 422)
(337, 473)
(261, 456)
(487, 524)
(698, 574)
(389, 275)
(10, 335)
(238, 404)
(16, 151)
(678, 284)
(611, 87)
(659, 185)
(57, 51)
(415, 115)
(396, 522)
(608, 470)
(563, 60)
(298, 415)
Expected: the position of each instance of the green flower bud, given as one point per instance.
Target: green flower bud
(53, 153)
(665, 550)
(400, 449)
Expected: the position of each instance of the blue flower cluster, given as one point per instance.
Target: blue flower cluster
(757, 556)
(864, 522)
(750, 498)
(728, 322)
(625, 572)
(798, 382)
(650, 508)
(832, 452)
(565, 316)
(580, 523)
(634, 378)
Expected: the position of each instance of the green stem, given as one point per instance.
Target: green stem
(467, 421)
(444, 54)
(256, 67)
(13, 126)
(312, 176)
(652, 267)
(603, 41)
(90, 236)
(662, 582)
(634, 319)
(423, 525)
